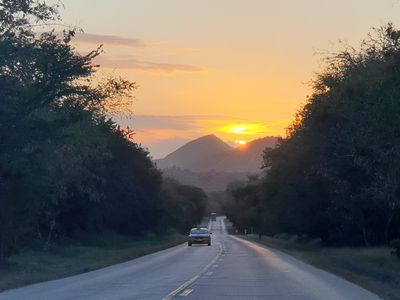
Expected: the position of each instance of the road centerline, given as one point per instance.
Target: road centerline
(194, 278)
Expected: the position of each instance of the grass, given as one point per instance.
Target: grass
(373, 268)
(91, 253)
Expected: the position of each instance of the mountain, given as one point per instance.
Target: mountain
(246, 158)
(202, 148)
(209, 153)
(211, 164)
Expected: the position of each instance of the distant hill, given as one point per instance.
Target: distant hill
(209, 153)
(200, 149)
(246, 158)
(209, 181)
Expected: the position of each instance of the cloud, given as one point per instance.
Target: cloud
(162, 134)
(132, 63)
(184, 124)
(165, 122)
(116, 41)
(90, 38)
(117, 57)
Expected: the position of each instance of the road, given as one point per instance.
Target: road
(231, 268)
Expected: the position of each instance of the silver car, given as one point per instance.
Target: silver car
(199, 236)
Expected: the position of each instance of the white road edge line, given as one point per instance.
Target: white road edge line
(193, 279)
(185, 293)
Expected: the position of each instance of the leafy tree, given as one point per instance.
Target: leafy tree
(244, 204)
(336, 175)
(184, 206)
(65, 165)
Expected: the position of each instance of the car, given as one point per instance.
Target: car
(199, 235)
(213, 217)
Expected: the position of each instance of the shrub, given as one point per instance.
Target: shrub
(282, 236)
(315, 242)
(395, 244)
(303, 239)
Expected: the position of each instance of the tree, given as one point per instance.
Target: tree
(183, 206)
(64, 164)
(336, 175)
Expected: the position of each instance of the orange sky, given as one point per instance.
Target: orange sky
(212, 66)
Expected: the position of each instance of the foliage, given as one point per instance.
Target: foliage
(65, 166)
(183, 205)
(395, 244)
(336, 176)
(244, 208)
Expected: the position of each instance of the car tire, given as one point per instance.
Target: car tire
(189, 244)
(209, 244)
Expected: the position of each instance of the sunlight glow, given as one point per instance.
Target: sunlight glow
(241, 142)
(243, 129)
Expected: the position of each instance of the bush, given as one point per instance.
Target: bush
(303, 239)
(282, 236)
(315, 242)
(395, 244)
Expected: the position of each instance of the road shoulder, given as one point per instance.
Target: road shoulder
(371, 268)
(30, 267)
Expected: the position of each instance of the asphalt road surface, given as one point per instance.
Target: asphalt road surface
(230, 269)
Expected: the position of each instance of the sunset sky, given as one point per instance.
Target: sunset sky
(237, 68)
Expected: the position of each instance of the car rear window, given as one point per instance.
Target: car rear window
(199, 231)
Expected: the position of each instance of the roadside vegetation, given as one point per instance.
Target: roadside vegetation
(81, 255)
(67, 170)
(336, 176)
(330, 192)
(370, 267)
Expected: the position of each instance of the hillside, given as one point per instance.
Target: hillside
(186, 156)
(209, 153)
(211, 164)
(246, 158)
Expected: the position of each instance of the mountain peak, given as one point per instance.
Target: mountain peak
(202, 147)
(209, 152)
(207, 137)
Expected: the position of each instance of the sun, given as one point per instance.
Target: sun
(240, 129)
(241, 142)
(243, 129)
